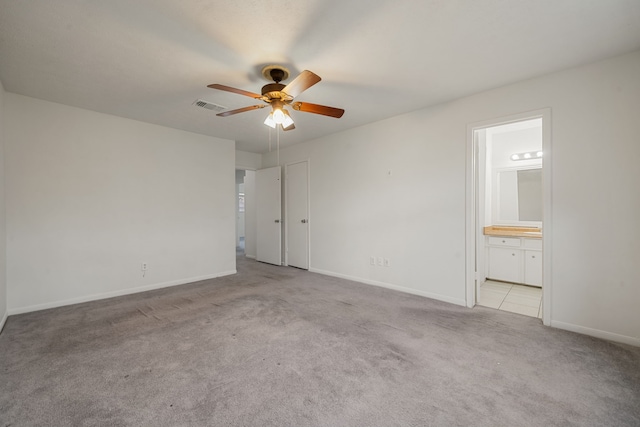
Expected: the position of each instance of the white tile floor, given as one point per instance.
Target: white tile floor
(519, 299)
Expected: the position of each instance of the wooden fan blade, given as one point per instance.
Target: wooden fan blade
(304, 81)
(318, 109)
(240, 110)
(234, 90)
(292, 127)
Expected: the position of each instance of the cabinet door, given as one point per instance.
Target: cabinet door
(504, 264)
(533, 268)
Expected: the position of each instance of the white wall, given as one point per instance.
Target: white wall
(90, 197)
(3, 257)
(385, 190)
(248, 161)
(415, 216)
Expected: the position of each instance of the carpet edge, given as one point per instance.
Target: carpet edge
(121, 292)
(431, 295)
(597, 333)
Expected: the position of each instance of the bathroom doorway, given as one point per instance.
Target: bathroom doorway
(245, 190)
(240, 212)
(508, 181)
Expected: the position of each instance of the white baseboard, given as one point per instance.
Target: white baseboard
(3, 321)
(118, 293)
(250, 256)
(431, 295)
(609, 336)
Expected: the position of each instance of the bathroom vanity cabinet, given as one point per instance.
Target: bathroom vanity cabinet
(514, 259)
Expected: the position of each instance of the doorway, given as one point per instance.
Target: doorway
(246, 213)
(240, 212)
(508, 249)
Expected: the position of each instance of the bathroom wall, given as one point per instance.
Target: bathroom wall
(501, 143)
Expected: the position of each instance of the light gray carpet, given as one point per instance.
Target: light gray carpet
(275, 346)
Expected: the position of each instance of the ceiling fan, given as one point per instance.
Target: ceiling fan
(279, 95)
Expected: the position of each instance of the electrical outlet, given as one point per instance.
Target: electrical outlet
(380, 261)
(387, 263)
(372, 260)
(144, 266)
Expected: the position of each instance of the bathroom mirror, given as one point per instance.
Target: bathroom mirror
(518, 198)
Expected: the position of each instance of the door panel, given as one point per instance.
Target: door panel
(268, 216)
(297, 215)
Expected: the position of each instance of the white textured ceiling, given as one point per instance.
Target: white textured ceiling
(149, 60)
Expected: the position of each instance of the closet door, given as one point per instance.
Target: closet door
(297, 214)
(268, 216)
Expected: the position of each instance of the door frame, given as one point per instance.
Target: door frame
(253, 237)
(244, 221)
(286, 210)
(473, 234)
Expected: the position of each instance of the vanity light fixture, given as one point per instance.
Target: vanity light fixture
(527, 156)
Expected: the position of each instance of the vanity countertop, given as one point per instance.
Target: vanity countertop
(502, 230)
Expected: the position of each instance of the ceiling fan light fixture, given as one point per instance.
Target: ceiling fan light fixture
(288, 121)
(278, 116)
(269, 121)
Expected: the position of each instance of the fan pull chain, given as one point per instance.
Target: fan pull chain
(278, 142)
(269, 139)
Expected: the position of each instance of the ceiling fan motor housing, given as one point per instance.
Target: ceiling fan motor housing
(273, 90)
